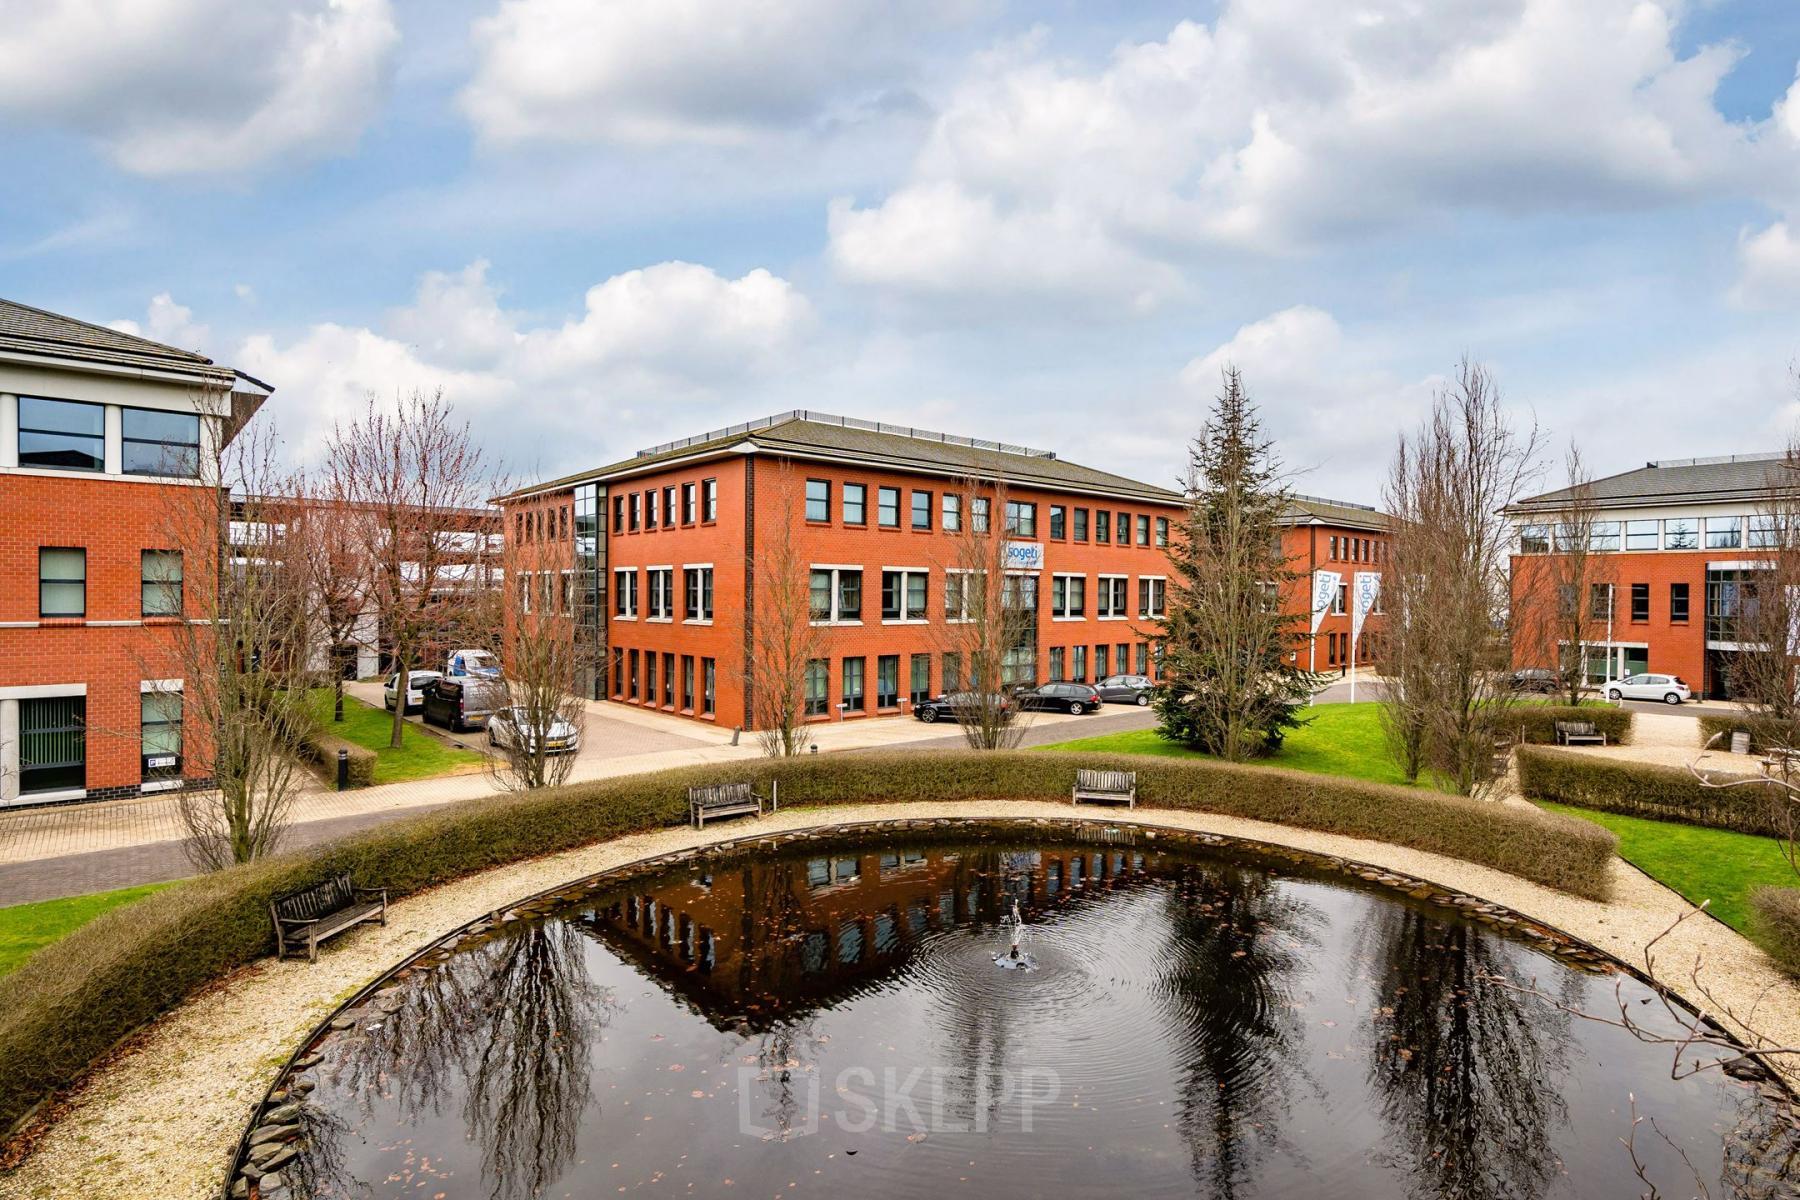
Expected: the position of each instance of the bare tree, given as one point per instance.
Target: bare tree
(239, 648)
(542, 660)
(325, 539)
(1767, 613)
(414, 474)
(988, 637)
(785, 637)
(1448, 596)
(1563, 598)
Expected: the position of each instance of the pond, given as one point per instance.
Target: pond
(851, 1017)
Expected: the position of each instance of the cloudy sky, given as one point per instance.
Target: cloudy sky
(600, 225)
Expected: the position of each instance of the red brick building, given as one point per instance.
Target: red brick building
(96, 429)
(657, 557)
(1682, 541)
(1344, 539)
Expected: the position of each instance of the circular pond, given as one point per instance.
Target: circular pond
(864, 1017)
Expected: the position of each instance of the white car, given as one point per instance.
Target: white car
(1667, 688)
(508, 727)
(415, 689)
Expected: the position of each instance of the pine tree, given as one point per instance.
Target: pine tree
(1230, 684)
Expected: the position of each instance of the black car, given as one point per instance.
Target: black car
(1126, 689)
(1072, 698)
(956, 706)
(1534, 679)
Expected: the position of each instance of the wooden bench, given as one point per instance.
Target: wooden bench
(728, 800)
(307, 917)
(1578, 733)
(1111, 786)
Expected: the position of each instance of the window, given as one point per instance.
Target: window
(161, 735)
(62, 581)
(1143, 658)
(1059, 523)
(836, 594)
(637, 508)
(618, 522)
(156, 442)
(856, 504)
(1078, 664)
(633, 692)
(978, 514)
(1162, 536)
(1021, 518)
(1765, 531)
(1081, 524)
(1724, 533)
(650, 509)
(1640, 602)
(668, 691)
(1604, 536)
(709, 499)
(1600, 601)
(921, 678)
(1681, 533)
(52, 744)
(956, 595)
(1122, 530)
(1068, 596)
(669, 513)
(1143, 531)
(64, 435)
(1057, 664)
(952, 509)
(1534, 539)
(818, 687)
(1333, 548)
(1339, 600)
(903, 595)
(697, 583)
(625, 593)
(1152, 596)
(1102, 525)
(1678, 603)
(161, 594)
(661, 588)
(1110, 602)
(1640, 535)
(921, 510)
(690, 508)
(818, 500)
(887, 681)
(887, 507)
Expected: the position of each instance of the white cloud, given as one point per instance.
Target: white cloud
(173, 87)
(170, 323)
(1286, 123)
(697, 71)
(1768, 268)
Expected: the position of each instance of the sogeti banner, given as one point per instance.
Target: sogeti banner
(1325, 588)
(1024, 556)
(1368, 591)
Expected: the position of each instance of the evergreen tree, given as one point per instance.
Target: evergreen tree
(1230, 687)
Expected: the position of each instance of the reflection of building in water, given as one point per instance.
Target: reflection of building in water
(758, 937)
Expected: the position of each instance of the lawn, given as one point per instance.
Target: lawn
(1699, 863)
(420, 756)
(25, 927)
(1337, 739)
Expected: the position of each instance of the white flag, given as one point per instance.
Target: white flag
(1368, 589)
(1325, 588)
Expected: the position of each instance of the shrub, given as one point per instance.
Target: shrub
(1763, 732)
(1775, 920)
(320, 750)
(68, 1003)
(1536, 723)
(1642, 790)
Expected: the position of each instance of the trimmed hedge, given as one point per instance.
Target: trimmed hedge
(1537, 722)
(1763, 732)
(1641, 790)
(321, 750)
(1776, 922)
(69, 1003)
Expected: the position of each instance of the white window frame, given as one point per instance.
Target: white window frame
(667, 614)
(1063, 614)
(1159, 597)
(906, 617)
(621, 577)
(1103, 590)
(837, 570)
(706, 588)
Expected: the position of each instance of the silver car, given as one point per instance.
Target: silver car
(1667, 688)
(1126, 689)
(510, 728)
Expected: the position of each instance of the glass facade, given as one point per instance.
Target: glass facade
(590, 587)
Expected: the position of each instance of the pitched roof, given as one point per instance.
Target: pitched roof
(32, 331)
(1742, 478)
(823, 436)
(1317, 510)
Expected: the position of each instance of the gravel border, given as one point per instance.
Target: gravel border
(163, 1119)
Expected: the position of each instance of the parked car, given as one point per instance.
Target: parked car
(1667, 688)
(511, 727)
(1126, 689)
(416, 682)
(956, 706)
(459, 704)
(1072, 698)
(482, 663)
(1535, 679)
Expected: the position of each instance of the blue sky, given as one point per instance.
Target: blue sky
(598, 225)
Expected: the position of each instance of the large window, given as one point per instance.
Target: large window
(856, 504)
(1533, 539)
(903, 595)
(1681, 533)
(1111, 602)
(836, 594)
(818, 687)
(1641, 535)
(1600, 601)
(818, 500)
(65, 435)
(921, 510)
(52, 744)
(625, 593)
(162, 583)
(1765, 531)
(1604, 536)
(921, 678)
(1152, 596)
(698, 584)
(887, 681)
(161, 735)
(1021, 518)
(1068, 596)
(1724, 533)
(661, 589)
(160, 443)
(887, 507)
(62, 581)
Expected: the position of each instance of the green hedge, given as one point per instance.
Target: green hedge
(321, 750)
(1763, 732)
(1776, 921)
(1537, 722)
(1642, 790)
(67, 1004)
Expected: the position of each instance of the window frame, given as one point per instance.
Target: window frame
(1112, 600)
(817, 509)
(1061, 609)
(920, 501)
(145, 583)
(883, 496)
(838, 576)
(126, 441)
(63, 580)
(861, 491)
(23, 428)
